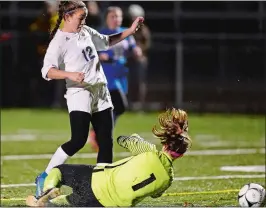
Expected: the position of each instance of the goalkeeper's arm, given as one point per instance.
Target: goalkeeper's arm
(135, 144)
(161, 192)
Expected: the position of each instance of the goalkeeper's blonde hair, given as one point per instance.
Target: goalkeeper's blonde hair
(173, 130)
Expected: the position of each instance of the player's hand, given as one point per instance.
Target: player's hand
(76, 76)
(104, 56)
(137, 24)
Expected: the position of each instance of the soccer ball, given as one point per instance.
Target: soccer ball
(251, 195)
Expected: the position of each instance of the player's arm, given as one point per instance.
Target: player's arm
(102, 42)
(52, 60)
(105, 56)
(135, 144)
(160, 192)
(116, 38)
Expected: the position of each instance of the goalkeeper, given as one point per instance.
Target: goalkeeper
(149, 172)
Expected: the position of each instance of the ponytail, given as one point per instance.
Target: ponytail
(59, 20)
(173, 130)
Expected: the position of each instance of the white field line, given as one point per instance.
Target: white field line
(125, 154)
(17, 185)
(212, 140)
(207, 137)
(204, 140)
(218, 177)
(48, 156)
(33, 137)
(25, 135)
(176, 179)
(226, 144)
(246, 168)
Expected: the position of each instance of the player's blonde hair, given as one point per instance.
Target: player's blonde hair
(173, 130)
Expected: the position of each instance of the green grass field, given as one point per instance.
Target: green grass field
(218, 140)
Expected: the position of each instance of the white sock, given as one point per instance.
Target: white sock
(58, 158)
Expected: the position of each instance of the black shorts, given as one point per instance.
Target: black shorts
(78, 177)
(119, 100)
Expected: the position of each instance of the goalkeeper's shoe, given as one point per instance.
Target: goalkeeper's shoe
(39, 181)
(43, 200)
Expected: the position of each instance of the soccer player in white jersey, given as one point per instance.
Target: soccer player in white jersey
(73, 49)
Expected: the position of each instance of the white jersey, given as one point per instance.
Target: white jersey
(77, 52)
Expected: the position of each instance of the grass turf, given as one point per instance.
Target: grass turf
(26, 132)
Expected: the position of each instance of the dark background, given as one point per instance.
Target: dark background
(222, 56)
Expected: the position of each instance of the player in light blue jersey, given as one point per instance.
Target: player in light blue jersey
(114, 62)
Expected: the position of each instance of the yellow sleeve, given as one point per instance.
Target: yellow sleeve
(160, 192)
(135, 144)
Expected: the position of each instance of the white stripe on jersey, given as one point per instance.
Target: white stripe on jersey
(77, 52)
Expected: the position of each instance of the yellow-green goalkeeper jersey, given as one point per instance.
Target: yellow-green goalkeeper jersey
(148, 172)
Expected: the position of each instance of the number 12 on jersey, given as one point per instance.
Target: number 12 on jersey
(87, 53)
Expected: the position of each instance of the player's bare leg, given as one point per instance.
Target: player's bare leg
(92, 140)
(31, 201)
(50, 189)
(43, 200)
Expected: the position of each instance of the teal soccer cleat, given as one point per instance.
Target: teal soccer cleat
(39, 181)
